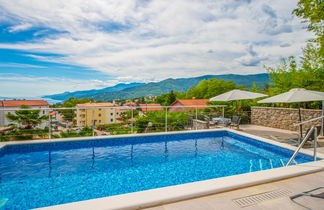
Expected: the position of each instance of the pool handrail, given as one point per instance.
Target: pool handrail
(310, 120)
(313, 128)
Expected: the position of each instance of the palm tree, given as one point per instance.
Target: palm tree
(27, 118)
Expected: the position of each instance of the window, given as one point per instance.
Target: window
(99, 121)
(111, 114)
(99, 109)
(117, 113)
(111, 120)
(99, 115)
(43, 111)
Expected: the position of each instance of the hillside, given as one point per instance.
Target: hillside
(88, 93)
(182, 84)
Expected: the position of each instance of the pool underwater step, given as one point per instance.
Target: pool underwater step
(261, 164)
(3, 202)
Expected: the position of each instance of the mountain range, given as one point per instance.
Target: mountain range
(89, 93)
(134, 90)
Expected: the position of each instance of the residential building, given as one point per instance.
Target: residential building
(150, 107)
(97, 113)
(178, 104)
(130, 104)
(122, 109)
(10, 106)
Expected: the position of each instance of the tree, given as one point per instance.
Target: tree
(210, 88)
(254, 88)
(282, 75)
(69, 114)
(176, 121)
(171, 98)
(309, 73)
(27, 118)
(312, 12)
(168, 98)
(313, 65)
(162, 99)
(142, 100)
(288, 74)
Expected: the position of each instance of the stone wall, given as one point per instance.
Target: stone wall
(199, 124)
(283, 118)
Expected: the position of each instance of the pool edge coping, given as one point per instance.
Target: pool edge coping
(89, 138)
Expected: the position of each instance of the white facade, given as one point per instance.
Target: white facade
(4, 121)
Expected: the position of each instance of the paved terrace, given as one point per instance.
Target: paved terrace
(280, 135)
(225, 200)
(289, 186)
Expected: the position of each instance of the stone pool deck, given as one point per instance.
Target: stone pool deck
(280, 135)
(269, 133)
(225, 200)
(291, 186)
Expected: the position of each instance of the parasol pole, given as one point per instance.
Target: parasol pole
(322, 118)
(300, 120)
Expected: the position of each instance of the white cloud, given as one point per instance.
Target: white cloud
(252, 58)
(20, 27)
(20, 65)
(153, 40)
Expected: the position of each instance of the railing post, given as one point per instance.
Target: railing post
(196, 127)
(132, 118)
(315, 142)
(49, 125)
(322, 118)
(223, 113)
(166, 119)
(93, 123)
(299, 136)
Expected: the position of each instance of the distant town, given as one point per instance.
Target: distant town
(83, 117)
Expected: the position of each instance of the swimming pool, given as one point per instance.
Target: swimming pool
(45, 174)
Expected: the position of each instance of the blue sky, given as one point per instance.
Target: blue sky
(54, 46)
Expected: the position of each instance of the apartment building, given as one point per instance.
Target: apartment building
(10, 106)
(88, 114)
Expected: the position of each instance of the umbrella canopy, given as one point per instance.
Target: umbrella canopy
(234, 95)
(295, 95)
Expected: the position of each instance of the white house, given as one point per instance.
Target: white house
(10, 106)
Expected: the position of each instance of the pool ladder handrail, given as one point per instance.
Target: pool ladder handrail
(313, 128)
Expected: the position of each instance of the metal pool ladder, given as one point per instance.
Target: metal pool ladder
(313, 129)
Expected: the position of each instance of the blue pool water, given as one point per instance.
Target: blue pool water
(38, 175)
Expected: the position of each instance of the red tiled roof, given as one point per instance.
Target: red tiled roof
(13, 103)
(150, 107)
(191, 102)
(131, 104)
(52, 113)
